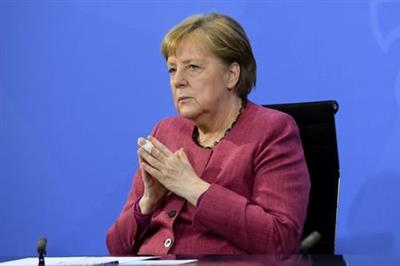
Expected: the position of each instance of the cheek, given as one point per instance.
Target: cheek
(173, 90)
(174, 97)
(211, 90)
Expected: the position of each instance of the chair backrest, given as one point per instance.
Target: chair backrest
(316, 122)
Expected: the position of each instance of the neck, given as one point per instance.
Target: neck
(213, 125)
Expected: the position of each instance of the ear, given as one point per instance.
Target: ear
(233, 75)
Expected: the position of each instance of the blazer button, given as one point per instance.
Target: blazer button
(167, 242)
(171, 213)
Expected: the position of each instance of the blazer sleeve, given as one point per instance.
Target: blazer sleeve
(121, 237)
(271, 221)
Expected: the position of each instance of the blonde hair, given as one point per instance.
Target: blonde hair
(224, 37)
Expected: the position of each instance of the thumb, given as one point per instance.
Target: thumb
(182, 155)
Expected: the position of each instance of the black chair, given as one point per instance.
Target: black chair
(316, 122)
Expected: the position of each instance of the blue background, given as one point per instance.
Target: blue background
(80, 81)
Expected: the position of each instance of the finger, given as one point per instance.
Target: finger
(151, 170)
(144, 143)
(156, 153)
(178, 154)
(153, 151)
(154, 162)
(159, 146)
(139, 159)
(144, 174)
(141, 141)
(182, 156)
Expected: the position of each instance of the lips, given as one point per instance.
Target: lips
(181, 98)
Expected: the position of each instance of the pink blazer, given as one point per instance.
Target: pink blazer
(256, 203)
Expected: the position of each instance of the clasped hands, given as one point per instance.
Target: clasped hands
(164, 171)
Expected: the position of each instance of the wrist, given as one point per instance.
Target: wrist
(147, 205)
(198, 189)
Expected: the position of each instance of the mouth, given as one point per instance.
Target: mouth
(183, 98)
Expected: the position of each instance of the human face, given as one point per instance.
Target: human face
(199, 80)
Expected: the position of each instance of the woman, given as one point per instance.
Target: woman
(226, 176)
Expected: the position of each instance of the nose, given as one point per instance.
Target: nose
(178, 79)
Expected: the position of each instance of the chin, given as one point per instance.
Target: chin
(188, 112)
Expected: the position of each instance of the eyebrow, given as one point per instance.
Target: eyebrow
(187, 61)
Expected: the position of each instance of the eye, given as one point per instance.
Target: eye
(193, 67)
(171, 70)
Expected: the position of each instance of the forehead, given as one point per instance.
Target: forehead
(190, 49)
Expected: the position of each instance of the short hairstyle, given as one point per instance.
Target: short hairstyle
(224, 37)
